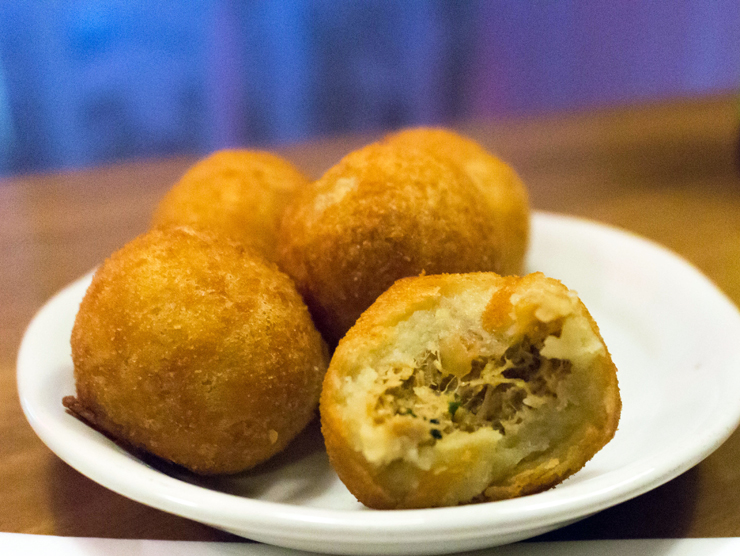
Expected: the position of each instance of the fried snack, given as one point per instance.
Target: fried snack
(237, 192)
(497, 181)
(382, 213)
(197, 350)
(467, 388)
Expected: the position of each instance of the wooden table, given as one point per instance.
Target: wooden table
(666, 171)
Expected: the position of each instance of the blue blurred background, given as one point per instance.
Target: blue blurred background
(88, 82)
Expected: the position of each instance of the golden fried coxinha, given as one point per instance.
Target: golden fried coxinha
(465, 388)
(196, 349)
(239, 193)
(384, 212)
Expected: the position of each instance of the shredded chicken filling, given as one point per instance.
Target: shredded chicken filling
(496, 392)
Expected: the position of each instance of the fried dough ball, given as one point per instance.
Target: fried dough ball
(500, 184)
(197, 350)
(467, 388)
(237, 192)
(382, 213)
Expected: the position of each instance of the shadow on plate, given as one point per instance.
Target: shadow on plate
(297, 475)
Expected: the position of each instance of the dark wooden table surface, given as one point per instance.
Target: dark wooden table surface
(666, 171)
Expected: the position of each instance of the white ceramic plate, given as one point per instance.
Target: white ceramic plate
(673, 336)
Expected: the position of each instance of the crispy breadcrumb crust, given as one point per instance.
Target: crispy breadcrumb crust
(499, 182)
(380, 457)
(240, 193)
(382, 213)
(197, 350)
